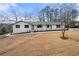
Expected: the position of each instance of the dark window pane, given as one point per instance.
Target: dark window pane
(26, 26)
(39, 26)
(47, 26)
(57, 26)
(17, 26)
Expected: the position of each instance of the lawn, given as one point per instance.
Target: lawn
(41, 44)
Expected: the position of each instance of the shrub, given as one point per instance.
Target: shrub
(6, 29)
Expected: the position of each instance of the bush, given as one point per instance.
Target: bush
(6, 29)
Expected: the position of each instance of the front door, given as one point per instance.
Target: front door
(50, 27)
(32, 28)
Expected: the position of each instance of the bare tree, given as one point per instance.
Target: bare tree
(13, 11)
(41, 15)
(67, 15)
(48, 14)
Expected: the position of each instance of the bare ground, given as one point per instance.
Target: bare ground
(41, 44)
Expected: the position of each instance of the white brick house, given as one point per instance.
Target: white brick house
(22, 26)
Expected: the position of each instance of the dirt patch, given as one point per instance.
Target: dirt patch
(43, 44)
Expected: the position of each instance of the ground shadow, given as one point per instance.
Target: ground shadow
(2, 37)
(65, 38)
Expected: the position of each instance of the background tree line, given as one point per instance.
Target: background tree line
(65, 13)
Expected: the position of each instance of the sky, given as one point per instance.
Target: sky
(30, 8)
(21, 7)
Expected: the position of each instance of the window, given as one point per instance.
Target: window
(17, 26)
(26, 26)
(57, 26)
(47, 26)
(39, 26)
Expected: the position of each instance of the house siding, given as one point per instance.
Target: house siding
(22, 28)
(33, 27)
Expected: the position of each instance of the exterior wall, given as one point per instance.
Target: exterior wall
(44, 27)
(22, 28)
(54, 27)
(33, 28)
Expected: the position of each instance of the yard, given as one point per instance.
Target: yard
(41, 44)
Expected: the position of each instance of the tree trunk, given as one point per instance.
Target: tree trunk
(63, 33)
(63, 30)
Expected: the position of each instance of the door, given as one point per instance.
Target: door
(32, 28)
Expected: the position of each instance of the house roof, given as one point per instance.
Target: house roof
(39, 23)
(45, 23)
(20, 21)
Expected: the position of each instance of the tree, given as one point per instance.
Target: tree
(13, 12)
(47, 13)
(41, 15)
(25, 15)
(68, 13)
(64, 13)
(55, 14)
(4, 30)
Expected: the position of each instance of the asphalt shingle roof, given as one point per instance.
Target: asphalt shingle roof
(40, 23)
